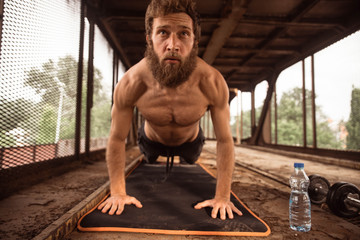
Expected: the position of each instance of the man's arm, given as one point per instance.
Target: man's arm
(220, 115)
(122, 114)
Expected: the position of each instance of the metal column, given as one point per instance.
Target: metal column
(304, 102)
(241, 118)
(90, 86)
(238, 137)
(253, 113)
(275, 115)
(313, 101)
(1, 19)
(79, 82)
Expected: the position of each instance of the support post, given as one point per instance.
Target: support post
(304, 102)
(313, 101)
(253, 113)
(2, 150)
(241, 119)
(90, 87)
(1, 19)
(79, 82)
(256, 136)
(115, 75)
(238, 139)
(275, 114)
(208, 125)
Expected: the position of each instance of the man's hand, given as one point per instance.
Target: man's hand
(222, 205)
(117, 203)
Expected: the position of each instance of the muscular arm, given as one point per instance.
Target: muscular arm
(224, 149)
(220, 115)
(122, 113)
(115, 154)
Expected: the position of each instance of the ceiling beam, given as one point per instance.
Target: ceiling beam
(241, 69)
(225, 29)
(319, 43)
(322, 23)
(271, 21)
(302, 9)
(239, 82)
(278, 51)
(299, 12)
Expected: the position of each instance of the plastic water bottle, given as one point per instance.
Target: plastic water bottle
(299, 204)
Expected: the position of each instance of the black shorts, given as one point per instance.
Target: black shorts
(189, 151)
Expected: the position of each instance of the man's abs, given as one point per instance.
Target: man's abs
(171, 134)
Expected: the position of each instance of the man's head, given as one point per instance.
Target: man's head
(160, 8)
(172, 33)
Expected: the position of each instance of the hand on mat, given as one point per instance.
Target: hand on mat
(222, 205)
(117, 203)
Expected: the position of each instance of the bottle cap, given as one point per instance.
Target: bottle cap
(299, 165)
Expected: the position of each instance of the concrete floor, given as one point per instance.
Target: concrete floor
(266, 197)
(26, 214)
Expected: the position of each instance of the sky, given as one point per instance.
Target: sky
(337, 70)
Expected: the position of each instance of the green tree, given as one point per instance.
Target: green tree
(47, 125)
(353, 125)
(100, 117)
(43, 82)
(290, 128)
(246, 118)
(47, 82)
(6, 140)
(14, 114)
(290, 122)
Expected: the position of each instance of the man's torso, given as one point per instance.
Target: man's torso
(172, 114)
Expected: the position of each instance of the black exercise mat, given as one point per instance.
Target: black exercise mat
(168, 207)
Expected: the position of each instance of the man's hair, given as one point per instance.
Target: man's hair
(160, 8)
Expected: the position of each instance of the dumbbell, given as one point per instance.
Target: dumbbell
(318, 189)
(342, 198)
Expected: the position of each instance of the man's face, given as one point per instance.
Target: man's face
(171, 50)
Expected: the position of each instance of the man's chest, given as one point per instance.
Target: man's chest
(163, 108)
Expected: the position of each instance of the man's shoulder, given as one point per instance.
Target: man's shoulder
(132, 84)
(211, 83)
(208, 73)
(136, 73)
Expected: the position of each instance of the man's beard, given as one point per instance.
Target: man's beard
(171, 75)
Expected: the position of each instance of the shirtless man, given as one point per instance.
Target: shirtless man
(172, 88)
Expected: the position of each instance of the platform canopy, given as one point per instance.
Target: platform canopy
(246, 40)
